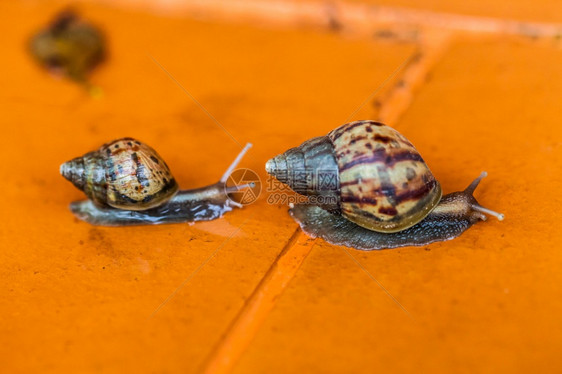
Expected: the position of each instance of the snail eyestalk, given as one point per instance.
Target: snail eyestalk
(230, 189)
(470, 190)
(472, 186)
(235, 162)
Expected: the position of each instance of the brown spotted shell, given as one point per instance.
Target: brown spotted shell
(366, 171)
(385, 184)
(124, 174)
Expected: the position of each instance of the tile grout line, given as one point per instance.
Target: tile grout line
(259, 304)
(395, 101)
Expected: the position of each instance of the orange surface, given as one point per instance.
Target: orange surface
(79, 298)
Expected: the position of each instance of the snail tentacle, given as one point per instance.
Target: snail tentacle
(235, 162)
(470, 190)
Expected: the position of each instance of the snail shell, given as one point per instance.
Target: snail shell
(381, 181)
(123, 174)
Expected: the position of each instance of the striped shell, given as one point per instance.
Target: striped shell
(366, 171)
(384, 183)
(124, 174)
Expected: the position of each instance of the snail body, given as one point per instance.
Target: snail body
(128, 183)
(380, 194)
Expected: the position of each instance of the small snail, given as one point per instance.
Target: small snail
(369, 188)
(128, 183)
(69, 46)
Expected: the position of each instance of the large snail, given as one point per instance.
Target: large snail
(369, 188)
(128, 183)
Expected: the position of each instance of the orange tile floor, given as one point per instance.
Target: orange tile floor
(248, 292)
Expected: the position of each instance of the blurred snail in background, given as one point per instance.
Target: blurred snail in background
(69, 46)
(128, 183)
(369, 188)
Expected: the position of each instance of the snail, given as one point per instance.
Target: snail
(369, 188)
(69, 46)
(128, 183)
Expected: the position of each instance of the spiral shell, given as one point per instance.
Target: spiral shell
(382, 182)
(385, 184)
(124, 174)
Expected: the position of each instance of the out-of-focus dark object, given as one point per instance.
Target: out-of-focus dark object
(69, 46)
